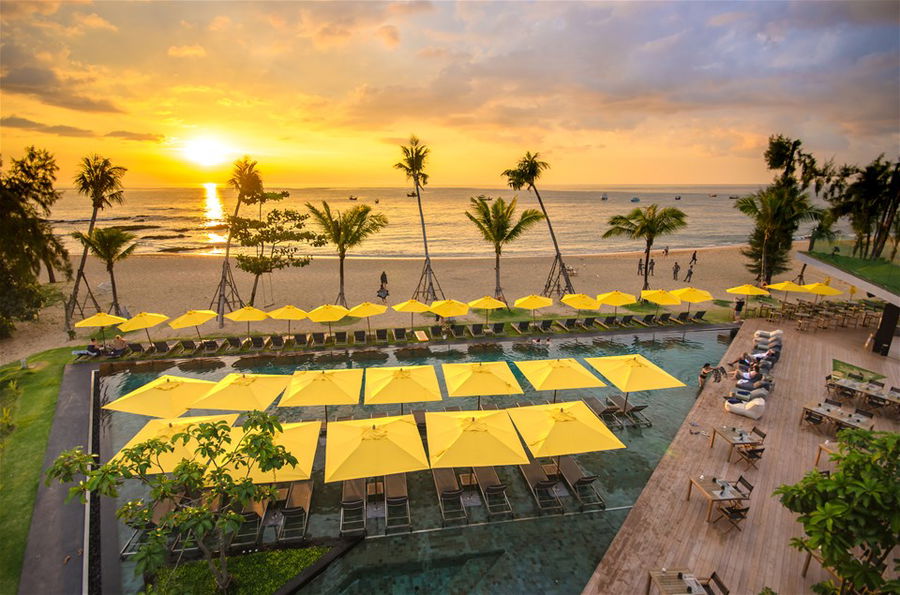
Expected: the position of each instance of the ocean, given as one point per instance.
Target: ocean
(190, 220)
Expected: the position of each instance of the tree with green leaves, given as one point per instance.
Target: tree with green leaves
(346, 230)
(100, 181)
(646, 224)
(203, 495)
(496, 221)
(413, 165)
(852, 515)
(110, 245)
(274, 241)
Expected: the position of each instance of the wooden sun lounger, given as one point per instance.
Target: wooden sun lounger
(276, 342)
(257, 343)
(698, 316)
(632, 413)
(664, 318)
(580, 484)
(296, 511)
(497, 328)
(163, 348)
(522, 327)
(400, 334)
(381, 335)
(449, 496)
(608, 322)
(588, 323)
(607, 413)
(544, 326)
(353, 507)
(318, 339)
(436, 331)
(422, 336)
(187, 346)
(301, 340)
(234, 344)
(493, 491)
(359, 337)
(340, 337)
(489, 407)
(458, 331)
(626, 320)
(646, 320)
(682, 318)
(136, 349)
(477, 330)
(210, 346)
(568, 324)
(542, 488)
(396, 504)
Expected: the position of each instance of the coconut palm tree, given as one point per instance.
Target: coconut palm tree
(101, 182)
(413, 165)
(109, 245)
(525, 175)
(497, 223)
(646, 224)
(346, 230)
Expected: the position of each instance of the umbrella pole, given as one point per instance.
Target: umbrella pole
(626, 403)
(326, 414)
(479, 401)
(411, 327)
(401, 408)
(149, 340)
(369, 326)
(102, 336)
(197, 328)
(554, 395)
(289, 326)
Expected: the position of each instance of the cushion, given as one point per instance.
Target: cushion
(753, 409)
(767, 334)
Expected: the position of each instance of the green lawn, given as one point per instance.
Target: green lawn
(22, 451)
(880, 272)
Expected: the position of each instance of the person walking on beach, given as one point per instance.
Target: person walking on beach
(640, 267)
(650, 266)
(738, 307)
(693, 258)
(383, 293)
(675, 269)
(383, 278)
(666, 252)
(690, 274)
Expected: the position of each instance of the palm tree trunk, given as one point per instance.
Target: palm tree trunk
(647, 263)
(421, 218)
(223, 281)
(115, 294)
(340, 298)
(559, 258)
(51, 274)
(253, 291)
(73, 299)
(498, 291)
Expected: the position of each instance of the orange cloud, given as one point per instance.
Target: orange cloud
(187, 51)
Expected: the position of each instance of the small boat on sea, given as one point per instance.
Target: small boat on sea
(353, 197)
(411, 194)
(713, 195)
(377, 200)
(733, 197)
(604, 197)
(635, 199)
(678, 197)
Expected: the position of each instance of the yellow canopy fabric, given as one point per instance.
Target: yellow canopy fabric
(247, 314)
(853, 290)
(487, 303)
(660, 297)
(164, 429)
(821, 289)
(243, 392)
(100, 319)
(692, 295)
(787, 286)
(615, 298)
(366, 309)
(167, 396)
(412, 306)
(144, 320)
(633, 372)
(192, 318)
(561, 429)
(448, 308)
(747, 289)
(558, 374)
(533, 302)
(323, 387)
(300, 439)
(288, 313)
(474, 379)
(579, 301)
(328, 313)
(409, 384)
(472, 439)
(373, 447)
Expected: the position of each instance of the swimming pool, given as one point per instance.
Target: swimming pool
(510, 556)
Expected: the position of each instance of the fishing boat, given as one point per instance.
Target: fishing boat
(635, 199)
(377, 200)
(353, 197)
(604, 197)
(733, 197)
(678, 197)
(713, 195)
(411, 194)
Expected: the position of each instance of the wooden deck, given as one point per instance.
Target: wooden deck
(664, 530)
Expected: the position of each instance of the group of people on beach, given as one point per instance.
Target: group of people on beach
(676, 268)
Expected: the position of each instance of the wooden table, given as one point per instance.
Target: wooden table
(826, 447)
(867, 388)
(733, 436)
(839, 416)
(668, 582)
(714, 492)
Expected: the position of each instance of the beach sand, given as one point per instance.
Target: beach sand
(171, 284)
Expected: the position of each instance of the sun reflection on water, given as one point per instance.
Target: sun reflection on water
(215, 217)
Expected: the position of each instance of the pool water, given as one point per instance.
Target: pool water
(526, 554)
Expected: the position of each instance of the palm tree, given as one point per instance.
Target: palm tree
(413, 165)
(101, 181)
(646, 224)
(496, 222)
(109, 245)
(525, 174)
(346, 230)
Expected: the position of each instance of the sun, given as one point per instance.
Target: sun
(207, 151)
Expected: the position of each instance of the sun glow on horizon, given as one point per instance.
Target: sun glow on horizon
(207, 151)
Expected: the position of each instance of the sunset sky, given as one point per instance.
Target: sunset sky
(322, 93)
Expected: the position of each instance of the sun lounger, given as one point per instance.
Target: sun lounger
(580, 484)
(588, 323)
(296, 511)
(521, 327)
(396, 503)
(626, 320)
(234, 344)
(608, 322)
(493, 491)
(646, 320)
(359, 337)
(699, 316)
(276, 342)
(209, 346)
(340, 337)
(422, 336)
(630, 412)
(543, 489)
(136, 348)
(353, 507)
(300, 340)
(381, 335)
(544, 326)
(248, 533)
(257, 343)
(436, 331)
(682, 318)
(449, 496)
(187, 346)
(497, 328)
(489, 407)
(458, 331)
(477, 330)
(664, 318)
(607, 413)
(400, 334)
(567, 325)
(163, 348)
(318, 339)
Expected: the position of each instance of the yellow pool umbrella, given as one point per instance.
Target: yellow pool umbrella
(288, 313)
(487, 303)
(787, 286)
(474, 379)
(144, 320)
(300, 439)
(247, 314)
(328, 313)
(821, 289)
(164, 429)
(193, 318)
(615, 299)
(411, 306)
(747, 289)
(373, 447)
(533, 302)
(660, 297)
(323, 387)
(367, 310)
(558, 374)
(243, 392)
(633, 372)
(472, 439)
(101, 320)
(409, 384)
(167, 396)
(580, 301)
(692, 295)
(449, 308)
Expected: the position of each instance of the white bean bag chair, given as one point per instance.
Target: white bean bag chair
(753, 409)
(761, 334)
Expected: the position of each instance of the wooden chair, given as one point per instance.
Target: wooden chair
(713, 580)
(751, 456)
(735, 515)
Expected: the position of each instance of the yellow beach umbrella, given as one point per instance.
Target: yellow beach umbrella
(558, 374)
(100, 319)
(747, 289)
(164, 429)
(852, 291)
(144, 320)
(409, 384)
(167, 396)
(247, 314)
(367, 310)
(487, 303)
(615, 299)
(787, 286)
(193, 318)
(449, 308)
(821, 289)
(533, 302)
(660, 297)
(243, 392)
(474, 379)
(323, 387)
(692, 295)
(288, 313)
(472, 439)
(633, 372)
(411, 306)
(579, 301)
(300, 439)
(327, 314)
(373, 447)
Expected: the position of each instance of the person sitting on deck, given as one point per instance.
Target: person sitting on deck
(118, 347)
(93, 349)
